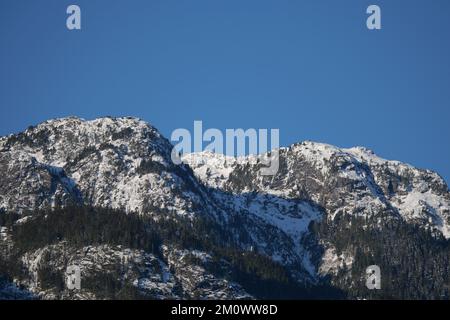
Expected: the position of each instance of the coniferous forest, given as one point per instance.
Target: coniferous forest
(414, 263)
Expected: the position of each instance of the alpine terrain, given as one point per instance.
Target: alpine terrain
(104, 195)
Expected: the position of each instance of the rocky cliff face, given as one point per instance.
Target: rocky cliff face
(342, 181)
(118, 163)
(124, 164)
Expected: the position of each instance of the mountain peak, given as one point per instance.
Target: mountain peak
(102, 122)
(106, 153)
(125, 164)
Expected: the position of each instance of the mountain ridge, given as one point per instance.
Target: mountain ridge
(124, 164)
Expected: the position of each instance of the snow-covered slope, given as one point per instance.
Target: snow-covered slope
(119, 163)
(124, 163)
(343, 181)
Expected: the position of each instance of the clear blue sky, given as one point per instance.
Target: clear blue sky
(310, 68)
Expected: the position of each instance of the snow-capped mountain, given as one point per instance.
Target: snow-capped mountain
(107, 162)
(124, 164)
(343, 181)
